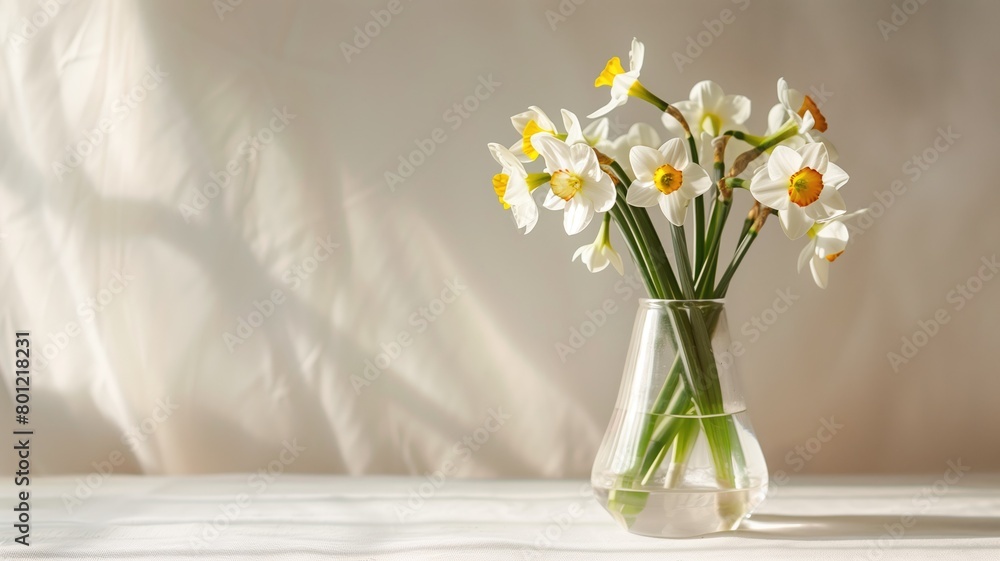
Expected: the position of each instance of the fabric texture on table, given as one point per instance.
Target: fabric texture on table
(388, 519)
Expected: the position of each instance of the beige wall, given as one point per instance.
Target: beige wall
(395, 251)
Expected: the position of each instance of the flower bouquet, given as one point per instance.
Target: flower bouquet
(679, 457)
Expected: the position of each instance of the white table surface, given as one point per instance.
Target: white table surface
(371, 519)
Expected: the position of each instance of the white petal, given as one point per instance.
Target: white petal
(674, 207)
(643, 134)
(806, 122)
(643, 193)
(831, 203)
(601, 193)
(820, 270)
(814, 156)
(553, 201)
(738, 107)
(556, 152)
(574, 134)
(807, 253)
(782, 164)
(542, 119)
(615, 102)
(707, 94)
(644, 161)
(635, 55)
(835, 176)
(675, 153)
(696, 181)
(770, 192)
(585, 251)
(597, 131)
(794, 221)
(831, 239)
(776, 118)
(525, 215)
(584, 161)
(615, 259)
(783, 93)
(578, 214)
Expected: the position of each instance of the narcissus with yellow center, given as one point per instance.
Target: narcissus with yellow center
(598, 255)
(802, 185)
(513, 186)
(625, 83)
(710, 110)
(578, 186)
(666, 177)
(827, 242)
(535, 121)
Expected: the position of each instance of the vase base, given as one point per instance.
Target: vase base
(680, 513)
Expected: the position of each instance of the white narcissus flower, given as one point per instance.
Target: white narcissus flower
(801, 185)
(709, 109)
(598, 255)
(535, 121)
(640, 134)
(666, 177)
(827, 240)
(622, 83)
(801, 109)
(577, 186)
(513, 187)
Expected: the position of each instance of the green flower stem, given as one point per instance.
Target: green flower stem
(679, 239)
(650, 237)
(741, 252)
(720, 214)
(634, 248)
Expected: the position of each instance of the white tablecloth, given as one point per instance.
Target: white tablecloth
(382, 519)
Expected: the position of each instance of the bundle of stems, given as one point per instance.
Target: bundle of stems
(691, 398)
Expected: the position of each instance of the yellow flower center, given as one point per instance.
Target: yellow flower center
(611, 69)
(667, 179)
(500, 187)
(833, 256)
(530, 129)
(566, 184)
(805, 186)
(712, 124)
(809, 105)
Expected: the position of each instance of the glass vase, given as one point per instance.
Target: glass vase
(679, 458)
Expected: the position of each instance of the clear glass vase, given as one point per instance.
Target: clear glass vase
(679, 458)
